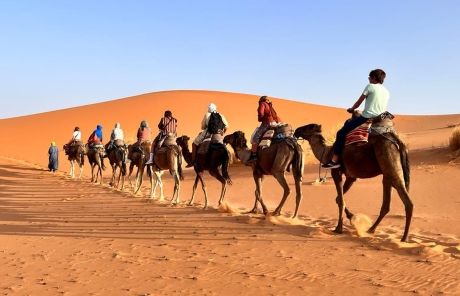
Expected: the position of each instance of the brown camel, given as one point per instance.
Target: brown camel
(168, 157)
(138, 157)
(95, 155)
(275, 161)
(76, 155)
(216, 157)
(117, 159)
(384, 154)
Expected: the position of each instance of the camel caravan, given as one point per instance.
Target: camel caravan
(367, 146)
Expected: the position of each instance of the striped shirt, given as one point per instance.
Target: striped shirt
(168, 125)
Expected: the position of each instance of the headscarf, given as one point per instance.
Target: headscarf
(53, 143)
(117, 125)
(99, 131)
(144, 124)
(264, 99)
(212, 108)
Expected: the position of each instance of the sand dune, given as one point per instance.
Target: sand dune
(64, 236)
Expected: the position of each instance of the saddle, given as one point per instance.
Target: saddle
(213, 139)
(72, 147)
(374, 126)
(276, 134)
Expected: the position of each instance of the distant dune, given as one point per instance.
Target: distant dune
(69, 236)
(188, 107)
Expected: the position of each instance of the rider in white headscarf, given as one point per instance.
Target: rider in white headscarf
(212, 108)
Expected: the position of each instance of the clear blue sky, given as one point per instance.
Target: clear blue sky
(57, 54)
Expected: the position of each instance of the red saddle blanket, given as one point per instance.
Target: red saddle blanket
(359, 134)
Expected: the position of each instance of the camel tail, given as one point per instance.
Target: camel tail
(298, 162)
(404, 161)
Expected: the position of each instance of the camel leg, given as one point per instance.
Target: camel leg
(81, 171)
(346, 186)
(122, 179)
(193, 190)
(153, 183)
(92, 173)
(279, 176)
(119, 177)
(298, 196)
(258, 193)
(408, 207)
(131, 166)
(71, 173)
(100, 174)
(112, 180)
(139, 177)
(176, 188)
(385, 203)
(203, 186)
(160, 183)
(338, 181)
(222, 180)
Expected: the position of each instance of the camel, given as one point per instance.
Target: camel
(95, 155)
(384, 154)
(216, 157)
(273, 160)
(138, 158)
(117, 159)
(76, 155)
(168, 157)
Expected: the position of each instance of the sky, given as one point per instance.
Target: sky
(59, 54)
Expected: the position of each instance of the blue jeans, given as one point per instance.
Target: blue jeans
(349, 125)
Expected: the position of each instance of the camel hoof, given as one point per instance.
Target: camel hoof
(276, 213)
(405, 239)
(338, 230)
(371, 230)
(253, 211)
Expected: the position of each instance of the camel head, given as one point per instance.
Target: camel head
(183, 141)
(236, 140)
(307, 131)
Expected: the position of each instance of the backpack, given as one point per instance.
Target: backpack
(215, 123)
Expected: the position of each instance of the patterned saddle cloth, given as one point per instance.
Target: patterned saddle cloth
(378, 125)
(276, 133)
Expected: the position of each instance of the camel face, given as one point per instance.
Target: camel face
(307, 131)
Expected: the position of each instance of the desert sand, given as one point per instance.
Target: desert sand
(72, 237)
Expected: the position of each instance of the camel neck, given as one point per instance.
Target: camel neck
(243, 153)
(319, 147)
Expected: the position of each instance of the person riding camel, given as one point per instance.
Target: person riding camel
(74, 141)
(268, 118)
(212, 123)
(76, 136)
(143, 134)
(167, 127)
(116, 138)
(95, 139)
(376, 96)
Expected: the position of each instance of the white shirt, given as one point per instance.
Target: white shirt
(376, 100)
(117, 134)
(76, 136)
